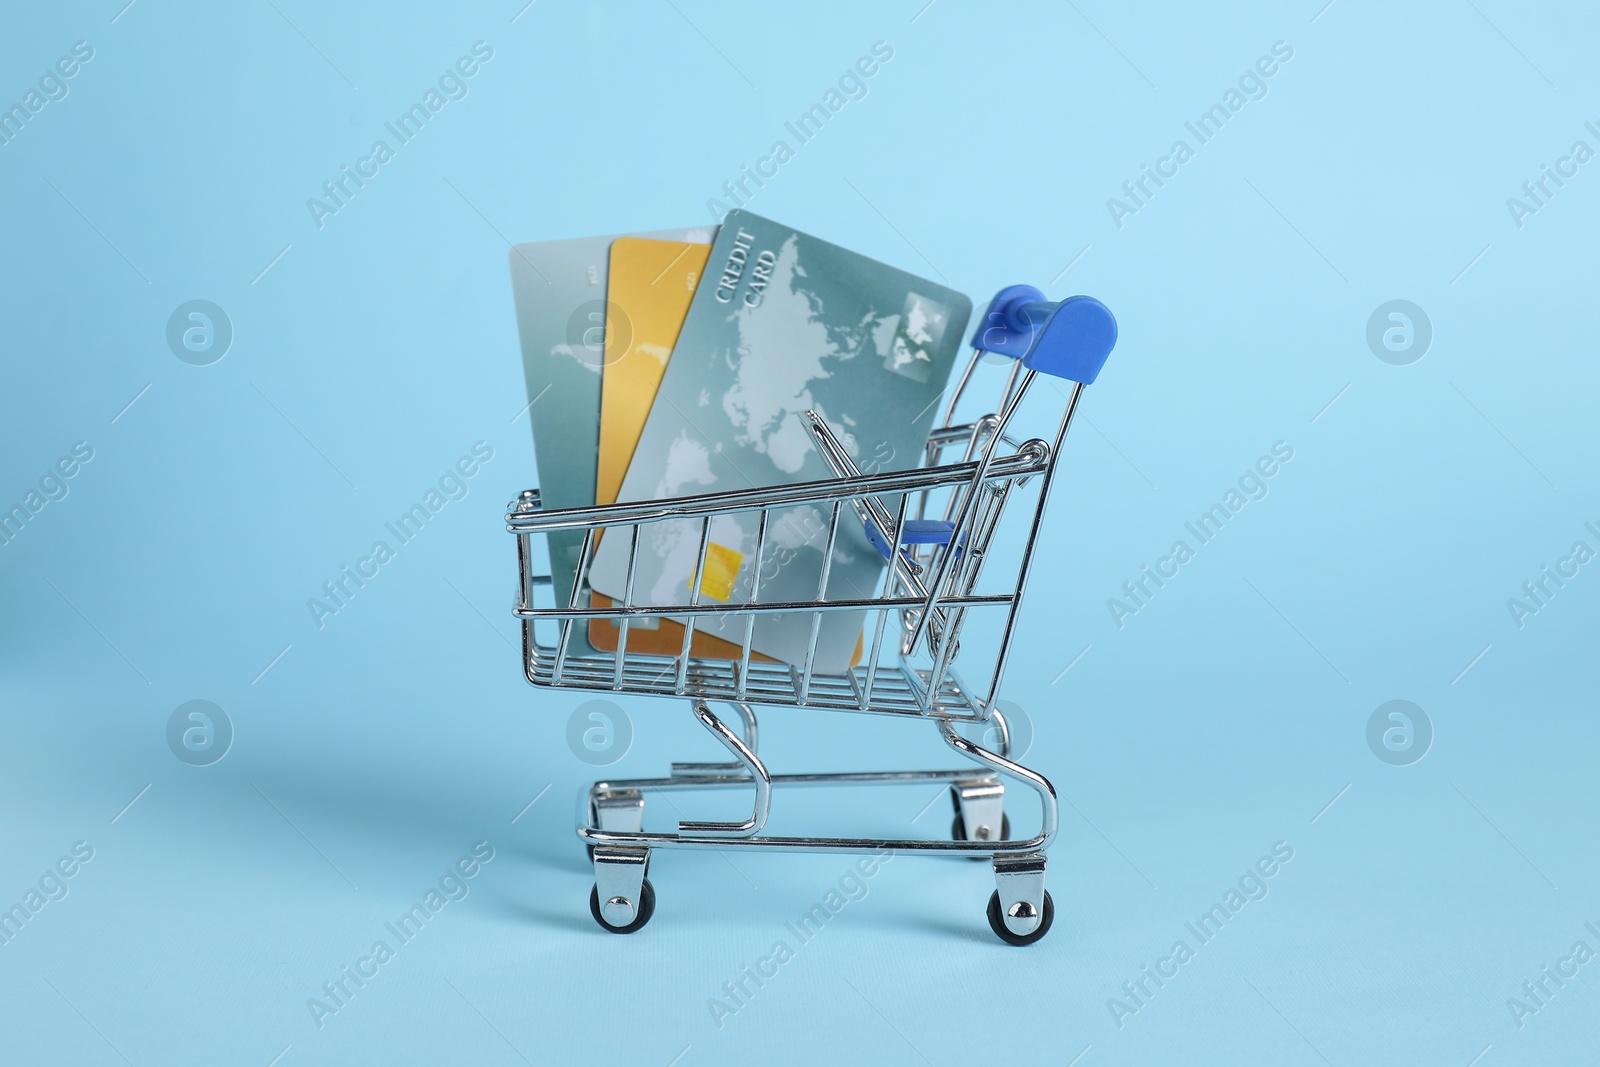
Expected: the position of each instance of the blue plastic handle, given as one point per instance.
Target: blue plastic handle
(1005, 328)
(1075, 341)
(1070, 339)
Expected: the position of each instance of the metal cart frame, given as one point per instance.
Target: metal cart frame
(930, 588)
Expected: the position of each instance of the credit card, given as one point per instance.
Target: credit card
(783, 322)
(651, 284)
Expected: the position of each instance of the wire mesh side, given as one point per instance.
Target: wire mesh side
(911, 680)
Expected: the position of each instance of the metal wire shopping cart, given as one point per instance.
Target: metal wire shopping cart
(931, 591)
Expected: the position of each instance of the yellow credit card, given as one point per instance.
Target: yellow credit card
(648, 290)
(649, 287)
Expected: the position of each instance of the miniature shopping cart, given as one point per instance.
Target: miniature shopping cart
(933, 597)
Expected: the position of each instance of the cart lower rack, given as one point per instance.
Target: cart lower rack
(935, 594)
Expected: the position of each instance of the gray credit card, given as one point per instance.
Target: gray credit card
(560, 293)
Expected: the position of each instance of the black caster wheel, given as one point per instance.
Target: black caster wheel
(998, 925)
(958, 831)
(647, 908)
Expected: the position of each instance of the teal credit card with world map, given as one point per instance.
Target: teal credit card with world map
(783, 322)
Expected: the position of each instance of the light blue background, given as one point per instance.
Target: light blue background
(1222, 718)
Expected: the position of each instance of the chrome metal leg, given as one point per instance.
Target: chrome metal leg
(750, 763)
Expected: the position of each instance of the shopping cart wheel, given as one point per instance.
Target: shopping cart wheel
(647, 908)
(997, 921)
